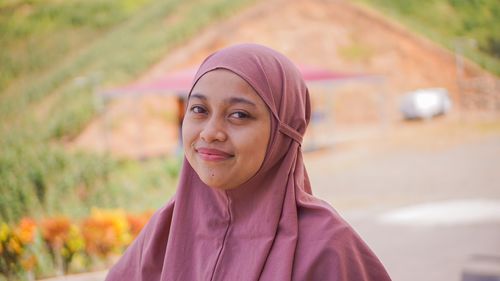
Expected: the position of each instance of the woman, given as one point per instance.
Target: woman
(243, 209)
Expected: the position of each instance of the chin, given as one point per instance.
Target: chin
(216, 185)
(211, 183)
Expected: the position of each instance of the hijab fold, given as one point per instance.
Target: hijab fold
(269, 228)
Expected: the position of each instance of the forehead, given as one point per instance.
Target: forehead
(223, 84)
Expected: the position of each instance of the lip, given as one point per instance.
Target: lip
(212, 154)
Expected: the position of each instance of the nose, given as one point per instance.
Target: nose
(213, 130)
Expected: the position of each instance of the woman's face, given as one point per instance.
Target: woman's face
(226, 130)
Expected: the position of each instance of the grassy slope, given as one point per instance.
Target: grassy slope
(470, 25)
(47, 45)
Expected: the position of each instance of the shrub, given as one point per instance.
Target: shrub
(15, 253)
(106, 232)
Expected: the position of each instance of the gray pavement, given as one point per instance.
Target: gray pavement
(435, 253)
(367, 183)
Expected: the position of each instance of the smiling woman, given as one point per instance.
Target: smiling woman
(243, 208)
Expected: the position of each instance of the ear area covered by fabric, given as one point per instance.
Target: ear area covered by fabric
(290, 132)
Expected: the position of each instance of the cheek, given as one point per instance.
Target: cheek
(262, 143)
(188, 135)
(255, 146)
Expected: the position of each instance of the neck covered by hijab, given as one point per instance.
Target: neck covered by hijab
(270, 227)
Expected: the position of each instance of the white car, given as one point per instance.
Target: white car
(425, 103)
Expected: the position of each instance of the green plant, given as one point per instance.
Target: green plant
(446, 20)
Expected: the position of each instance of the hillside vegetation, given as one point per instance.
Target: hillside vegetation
(471, 26)
(54, 54)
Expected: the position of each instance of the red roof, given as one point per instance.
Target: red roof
(179, 82)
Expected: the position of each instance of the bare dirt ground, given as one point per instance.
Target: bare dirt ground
(336, 35)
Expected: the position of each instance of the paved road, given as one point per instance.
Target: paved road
(448, 188)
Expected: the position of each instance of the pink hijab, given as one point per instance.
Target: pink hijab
(271, 227)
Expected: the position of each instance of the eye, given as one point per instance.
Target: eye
(197, 109)
(240, 115)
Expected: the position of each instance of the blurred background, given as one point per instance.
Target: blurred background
(404, 140)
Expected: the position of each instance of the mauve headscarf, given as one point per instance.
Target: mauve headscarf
(271, 227)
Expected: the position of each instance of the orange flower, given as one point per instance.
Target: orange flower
(137, 222)
(106, 231)
(26, 230)
(55, 231)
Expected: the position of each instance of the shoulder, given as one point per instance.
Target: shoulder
(329, 247)
(318, 220)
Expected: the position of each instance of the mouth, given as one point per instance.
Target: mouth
(211, 154)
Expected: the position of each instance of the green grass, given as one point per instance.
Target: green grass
(47, 47)
(51, 42)
(452, 23)
(35, 34)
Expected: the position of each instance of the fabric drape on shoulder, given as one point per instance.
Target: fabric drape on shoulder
(271, 227)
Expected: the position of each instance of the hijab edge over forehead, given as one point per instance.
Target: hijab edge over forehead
(247, 79)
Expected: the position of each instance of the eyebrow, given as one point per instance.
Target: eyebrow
(231, 100)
